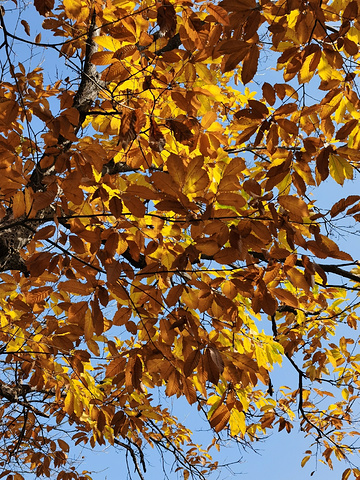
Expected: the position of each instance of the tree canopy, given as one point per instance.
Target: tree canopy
(160, 232)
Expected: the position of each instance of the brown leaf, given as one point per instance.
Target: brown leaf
(350, 47)
(218, 13)
(212, 367)
(351, 11)
(228, 47)
(286, 297)
(26, 27)
(101, 421)
(188, 390)
(134, 204)
(191, 362)
(346, 129)
(77, 311)
(44, 6)
(97, 317)
(220, 417)
(342, 204)
(181, 132)
(166, 19)
(294, 205)
(250, 64)
(140, 120)
(269, 93)
(322, 162)
(156, 138)
(113, 271)
(115, 205)
(127, 132)
(115, 367)
(125, 51)
(172, 383)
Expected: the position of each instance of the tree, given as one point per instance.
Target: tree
(157, 229)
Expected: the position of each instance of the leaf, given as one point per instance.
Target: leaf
(63, 445)
(268, 93)
(188, 390)
(322, 163)
(73, 8)
(102, 58)
(113, 271)
(220, 418)
(237, 423)
(297, 278)
(305, 460)
(26, 27)
(77, 311)
(44, 6)
(340, 168)
(115, 367)
(181, 132)
(286, 297)
(115, 206)
(218, 13)
(294, 205)
(197, 179)
(213, 365)
(166, 19)
(188, 22)
(250, 64)
(127, 131)
(346, 129)
(342, 204)
(191, 362)
(156, 138)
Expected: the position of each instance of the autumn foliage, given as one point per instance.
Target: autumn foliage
(160, 228)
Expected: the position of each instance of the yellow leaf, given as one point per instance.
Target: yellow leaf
(305, 74)
(107, 42)
(345, 393)
(237, 423)
(326, 72)
(305, 460)
(72, 8)
(340, 168)
(69, 403)
(204, 73)
(102, 58)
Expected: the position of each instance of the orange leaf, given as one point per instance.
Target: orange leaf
(220, 418)
(115, 367)
(286, 297)
(218, 13)
(189, 390)
(102, 58)
(294, 205)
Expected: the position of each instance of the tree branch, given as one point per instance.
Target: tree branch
(133, 457)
